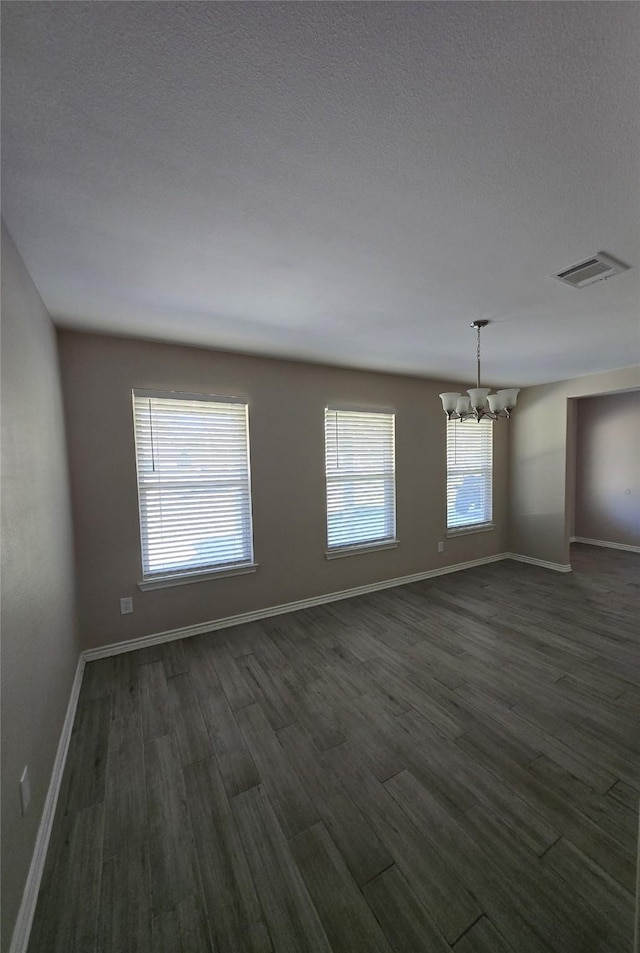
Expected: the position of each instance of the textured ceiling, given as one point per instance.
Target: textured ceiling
(341, 182)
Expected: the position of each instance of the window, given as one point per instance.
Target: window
(194, 490)
(360, 471)
(469, 474)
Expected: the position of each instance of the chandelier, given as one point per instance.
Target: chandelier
(480, 403)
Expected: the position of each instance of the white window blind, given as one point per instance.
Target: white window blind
(469, 473)
(360, 472)
(194, 488)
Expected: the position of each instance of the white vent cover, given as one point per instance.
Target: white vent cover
(591, 269)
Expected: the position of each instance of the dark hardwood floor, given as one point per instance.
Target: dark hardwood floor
(452, 764)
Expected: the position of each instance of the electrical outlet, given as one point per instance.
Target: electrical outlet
(25, 790)
(126, 605)
(440, 547)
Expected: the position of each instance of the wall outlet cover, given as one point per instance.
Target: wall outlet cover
(126, 605)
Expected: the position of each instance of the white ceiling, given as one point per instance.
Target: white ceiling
(341, 182)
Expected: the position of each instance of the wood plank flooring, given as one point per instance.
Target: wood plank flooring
(450, 765)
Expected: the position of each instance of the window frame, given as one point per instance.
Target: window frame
(180, 576)
(484, 470)
(361, 546)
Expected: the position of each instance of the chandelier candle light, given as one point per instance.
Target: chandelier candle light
(480, 403)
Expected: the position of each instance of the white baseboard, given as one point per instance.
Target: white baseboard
(116, 648)
(627, 547)
(22, 929)
(557, 567)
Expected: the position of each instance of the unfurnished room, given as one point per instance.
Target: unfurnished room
(320, 477)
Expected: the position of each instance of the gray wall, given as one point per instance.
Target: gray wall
(39, 644)
(542, 451)
(286, 411)
(607, 498)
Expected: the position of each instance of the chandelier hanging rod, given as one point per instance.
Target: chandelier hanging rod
(480, 403)
(478, 325)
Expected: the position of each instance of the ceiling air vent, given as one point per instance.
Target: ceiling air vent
(592, 269)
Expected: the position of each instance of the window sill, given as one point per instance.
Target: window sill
(338, 553)
(185, 579)
(467, 530)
